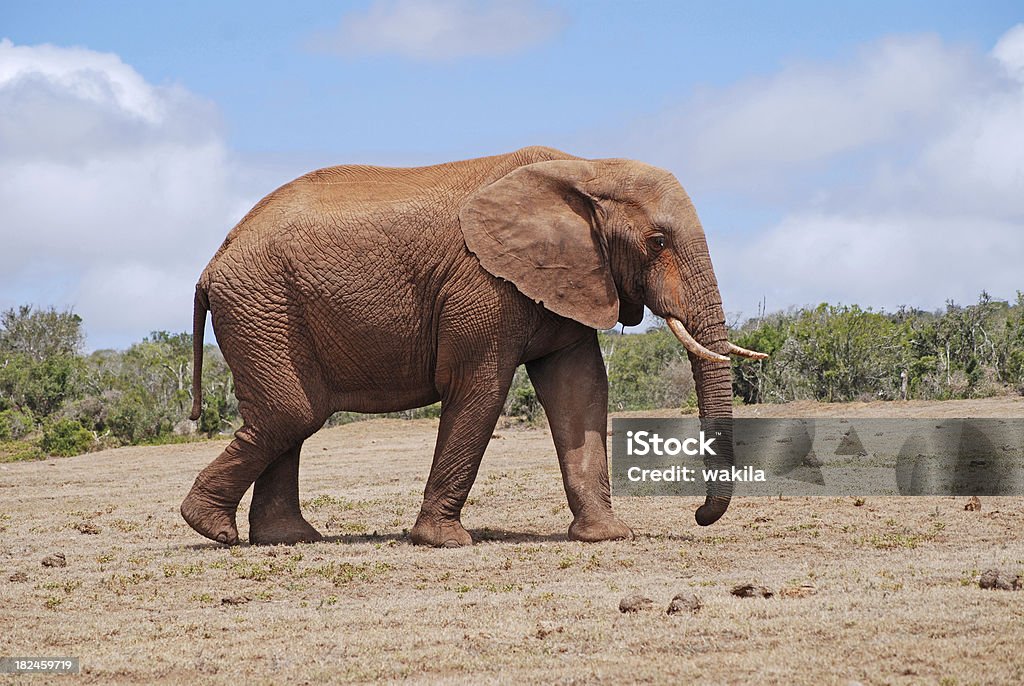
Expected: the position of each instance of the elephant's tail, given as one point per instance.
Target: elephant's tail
(202, 304)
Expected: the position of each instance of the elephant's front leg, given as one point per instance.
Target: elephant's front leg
(470, 407)
(572, 385)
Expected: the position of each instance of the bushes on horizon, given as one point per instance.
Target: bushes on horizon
(40, 334)
(841, 352)
(827, 353)
(646, 371)
(40, 365)
(1009, 350)
(141, 394)
(65, 438)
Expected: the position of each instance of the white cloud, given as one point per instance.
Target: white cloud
(1009, 52)
(440, 29)
(884, 259)
(88, 76)
(809, 113)
(898, 175)
(126, 300)
(115, 192)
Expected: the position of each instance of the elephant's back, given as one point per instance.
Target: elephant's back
(342, 196)
(351, 187)
(355, 210)
(364, 183)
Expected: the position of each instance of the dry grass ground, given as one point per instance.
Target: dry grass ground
(895, 597)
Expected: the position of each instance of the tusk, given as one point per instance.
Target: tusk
(690, 343)
(743, 352)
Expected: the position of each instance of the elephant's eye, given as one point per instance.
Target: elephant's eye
(656, 243)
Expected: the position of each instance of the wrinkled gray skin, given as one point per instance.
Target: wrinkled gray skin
(376, 290)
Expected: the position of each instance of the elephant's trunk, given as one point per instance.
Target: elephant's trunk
(709, 349)
(713, 380)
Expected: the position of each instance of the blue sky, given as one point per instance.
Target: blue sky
(855, 152)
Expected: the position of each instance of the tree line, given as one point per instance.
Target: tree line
(56, 400)
(837, 353)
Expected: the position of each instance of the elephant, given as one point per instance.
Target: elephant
(373, 289)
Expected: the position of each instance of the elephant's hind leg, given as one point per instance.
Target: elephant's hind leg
(282, 400)
(275, 517)
(210, 506)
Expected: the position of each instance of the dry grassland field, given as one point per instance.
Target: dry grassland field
(881, 591)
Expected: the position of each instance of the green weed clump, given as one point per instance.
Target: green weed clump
(341, 573)
(20, 451)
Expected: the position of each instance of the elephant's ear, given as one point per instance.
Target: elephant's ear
(538, 228)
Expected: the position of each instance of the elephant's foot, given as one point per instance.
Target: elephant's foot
(439, 533)
(287, 531)
(214, 521)
(605, 528)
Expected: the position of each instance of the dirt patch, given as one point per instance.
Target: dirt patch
(884, 590)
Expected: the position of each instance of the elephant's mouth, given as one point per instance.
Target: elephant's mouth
(691, 344)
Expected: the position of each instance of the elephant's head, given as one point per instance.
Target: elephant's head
(597, 240)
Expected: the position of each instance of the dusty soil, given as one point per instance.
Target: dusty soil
(877, 592)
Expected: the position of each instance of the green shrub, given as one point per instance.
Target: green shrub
(65, 438)
(210, 420)
(522, 398)
(645, 371)
(14, 424)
